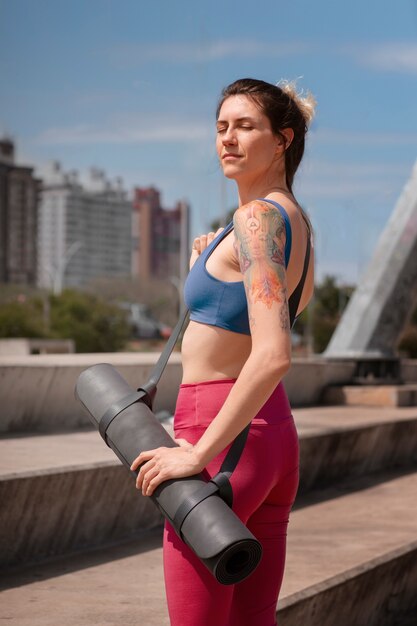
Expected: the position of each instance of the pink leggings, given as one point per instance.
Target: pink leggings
(264, 484)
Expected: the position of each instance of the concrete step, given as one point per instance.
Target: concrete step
(371, 395)
(69, 492)
(351, 561)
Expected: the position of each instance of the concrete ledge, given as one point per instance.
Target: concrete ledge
(351, 560)
(66, 492)
(37, 391)
(23, 346)
(307, 378)
(355, 451)
(409, 370)
(371, 594)
(371, 395)
(58, 512)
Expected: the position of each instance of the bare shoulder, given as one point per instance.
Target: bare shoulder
(256, 217)
(259, 236)
(296, 213)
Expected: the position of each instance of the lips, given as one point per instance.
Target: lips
(231, 156)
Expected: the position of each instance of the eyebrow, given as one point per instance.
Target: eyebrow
(239, 119)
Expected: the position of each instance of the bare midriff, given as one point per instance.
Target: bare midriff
(212, 353)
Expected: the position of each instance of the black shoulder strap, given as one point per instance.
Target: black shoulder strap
(294, 300)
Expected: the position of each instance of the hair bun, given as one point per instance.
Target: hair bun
(306, 103)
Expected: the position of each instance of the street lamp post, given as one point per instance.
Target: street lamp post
(62, 265)
(175, 281)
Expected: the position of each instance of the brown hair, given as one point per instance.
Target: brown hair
(284, 108)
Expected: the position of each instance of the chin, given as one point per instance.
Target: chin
(231, 172)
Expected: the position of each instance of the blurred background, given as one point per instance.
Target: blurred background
(108, 171)
(108, 167)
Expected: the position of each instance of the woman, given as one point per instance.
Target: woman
(235, 352)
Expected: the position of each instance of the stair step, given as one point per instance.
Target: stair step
(351, 560)
(352, 555)
(372, 395)
(75, 477)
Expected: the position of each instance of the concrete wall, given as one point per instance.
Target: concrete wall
(37, 391)
(409, 370)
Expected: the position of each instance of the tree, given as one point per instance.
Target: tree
(22, 318)
(95, 325)
(330, 301)
(407, 344)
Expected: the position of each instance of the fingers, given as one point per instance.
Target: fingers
(143, 456)
(148, 481)
(200, 244)
(150, 473)
(163, 463)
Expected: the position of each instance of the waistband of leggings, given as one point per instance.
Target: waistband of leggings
(209, 382)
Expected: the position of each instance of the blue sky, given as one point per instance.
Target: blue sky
(132, 86)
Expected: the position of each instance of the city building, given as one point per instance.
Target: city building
(18, 218)
(85, 228)
(160, 237)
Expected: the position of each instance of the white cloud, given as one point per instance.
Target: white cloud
(356, 168)
(126, 132)
(388, 56)
(347, 188)
(191, 52)
(348, 181)
(354, 137)
(393, 57)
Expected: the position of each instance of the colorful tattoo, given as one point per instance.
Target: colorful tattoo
(259, 244)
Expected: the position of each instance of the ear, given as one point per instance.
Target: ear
(289, 136)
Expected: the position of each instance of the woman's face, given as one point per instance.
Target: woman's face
(246, 145)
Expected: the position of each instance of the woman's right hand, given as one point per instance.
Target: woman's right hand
(200, 243)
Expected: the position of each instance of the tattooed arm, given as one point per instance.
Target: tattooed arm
(259, 245)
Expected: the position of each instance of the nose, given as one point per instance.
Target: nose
(229, 137)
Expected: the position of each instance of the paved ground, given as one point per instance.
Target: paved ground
(124, 584)
(331, 532)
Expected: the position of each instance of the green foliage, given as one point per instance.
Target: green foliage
(329, 304)
(408, 343)
(413, 319)
(94, 324)
(22, 318)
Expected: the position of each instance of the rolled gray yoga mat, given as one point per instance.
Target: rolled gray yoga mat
(211, 528)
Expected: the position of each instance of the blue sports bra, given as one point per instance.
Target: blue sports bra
(218, 302)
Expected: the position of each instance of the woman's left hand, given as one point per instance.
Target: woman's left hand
(163, 464)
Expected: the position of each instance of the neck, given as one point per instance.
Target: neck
(250, 190)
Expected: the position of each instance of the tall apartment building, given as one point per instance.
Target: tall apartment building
(85, 229)
(18, 218)
(160, 236)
